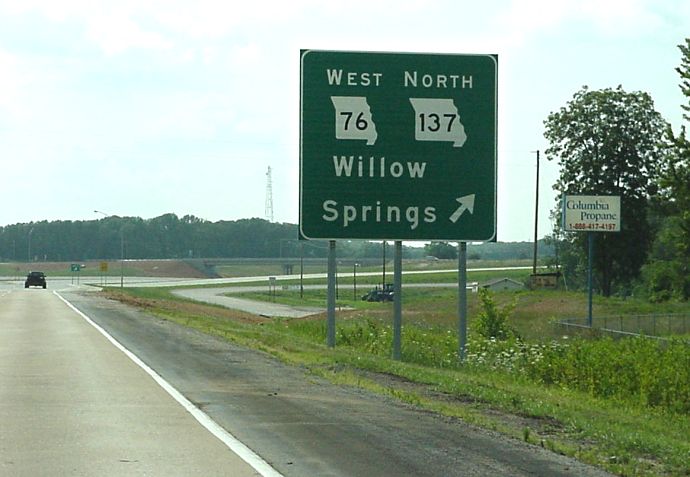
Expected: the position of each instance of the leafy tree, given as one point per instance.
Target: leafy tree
(684, 72)
(442, 250)
(668, 273)
(608, 142)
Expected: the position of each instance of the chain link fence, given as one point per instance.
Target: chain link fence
(656, 325)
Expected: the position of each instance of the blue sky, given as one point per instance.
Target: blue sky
(141, 108)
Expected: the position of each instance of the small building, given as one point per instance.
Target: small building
(503, 284)
(545, 280)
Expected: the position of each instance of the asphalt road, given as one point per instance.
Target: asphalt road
(301, 425)
(73, 404)
(218, 296)
(222, 296)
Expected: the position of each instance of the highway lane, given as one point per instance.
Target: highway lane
(72, 403)
(56, 282)
(303, 425)
(59, 282)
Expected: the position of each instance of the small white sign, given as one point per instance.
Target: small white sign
(592, 213)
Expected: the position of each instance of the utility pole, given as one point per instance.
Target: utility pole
(269, 196)
(29, 251)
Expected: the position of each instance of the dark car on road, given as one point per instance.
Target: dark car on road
(35, 279)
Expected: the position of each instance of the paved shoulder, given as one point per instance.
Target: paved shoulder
(303, 425)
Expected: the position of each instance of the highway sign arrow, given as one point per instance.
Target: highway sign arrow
(466, 203)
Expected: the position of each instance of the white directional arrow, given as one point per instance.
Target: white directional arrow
(466, 203)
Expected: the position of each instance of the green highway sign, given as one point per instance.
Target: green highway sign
(397, 146)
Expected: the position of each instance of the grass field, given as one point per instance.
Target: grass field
(619, 405)
(534, 315)
(247, 268)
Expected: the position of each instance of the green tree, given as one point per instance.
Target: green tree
(492, 321)
(608, 142)
(667, 274)
(442, 250)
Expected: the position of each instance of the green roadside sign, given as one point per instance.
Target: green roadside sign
(397, 146)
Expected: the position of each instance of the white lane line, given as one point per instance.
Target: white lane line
(235, 445)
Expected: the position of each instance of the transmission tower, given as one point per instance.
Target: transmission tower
(269, 196)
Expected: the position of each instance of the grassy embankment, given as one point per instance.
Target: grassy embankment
(619, 405)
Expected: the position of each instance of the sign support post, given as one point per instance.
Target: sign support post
(104, 273)
(462, 300)
(330, 331)
(590, 285)
(354, 281)
(301, 271)
(397, 300)
(75, 268)
(398, 146)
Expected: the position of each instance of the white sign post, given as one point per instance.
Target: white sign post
(591, 213)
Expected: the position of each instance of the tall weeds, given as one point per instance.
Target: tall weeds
(640, 371)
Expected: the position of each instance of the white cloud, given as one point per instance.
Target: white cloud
(118, 34)
(10, 79)
(627, 18)
(213, 19)
(525, 20)
(25, 86)
(111, 25)
(53, 10)
(247, 54)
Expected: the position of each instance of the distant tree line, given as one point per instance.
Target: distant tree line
(161, 237)
(171, 237)
(494, 250)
